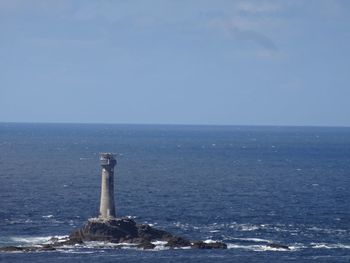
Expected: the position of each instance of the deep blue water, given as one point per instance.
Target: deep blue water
(245, 186)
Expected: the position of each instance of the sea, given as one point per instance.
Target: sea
(245, 186)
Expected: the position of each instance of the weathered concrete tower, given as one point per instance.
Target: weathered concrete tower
(107, 208)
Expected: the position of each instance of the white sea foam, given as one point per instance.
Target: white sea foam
(249, 227)
(259, 247)
(36, 240)
(232, 246)
(253, 239)
(30, 240)
(73, 251)
(184, 226)
(184, 248)
(102, 244)
(159, 243)
(268, 248)
(61, 237)
(208, 241)
(131, 217)
(330, 246)
(327, 230)
(158, 248)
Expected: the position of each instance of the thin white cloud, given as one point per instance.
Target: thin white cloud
(246, 29)
(256, 7)
(254, 21)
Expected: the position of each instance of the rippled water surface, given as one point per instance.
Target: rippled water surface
(245, 186)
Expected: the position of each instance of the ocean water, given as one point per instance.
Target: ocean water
(245, 186)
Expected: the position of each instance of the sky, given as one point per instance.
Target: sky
(216, 62)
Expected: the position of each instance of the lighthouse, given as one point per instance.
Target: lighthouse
(107, 207)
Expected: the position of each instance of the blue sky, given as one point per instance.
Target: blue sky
(176, 62)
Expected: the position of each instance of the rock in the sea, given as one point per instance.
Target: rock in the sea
(145, 244)
(117, 230)
(176, 241)
(44, 247)
(114, 230)
(69, 242)
(147, 232)
(126, 230)
(204, 245)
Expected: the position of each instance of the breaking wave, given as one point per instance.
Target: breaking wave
(260, 247)
(29, 240)
(241, 243)
(330, 246)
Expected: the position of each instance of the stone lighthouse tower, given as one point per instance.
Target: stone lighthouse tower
(107, 207)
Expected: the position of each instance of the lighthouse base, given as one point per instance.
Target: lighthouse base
(126, 230)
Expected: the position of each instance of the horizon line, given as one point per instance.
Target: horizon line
(178, 124)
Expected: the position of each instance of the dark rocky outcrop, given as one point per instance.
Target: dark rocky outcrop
(145, 244)
(122, 230)
(126, 230)
(176, 241)
(117, 231)
(45, 247)
(204, 245)
(114, 230)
